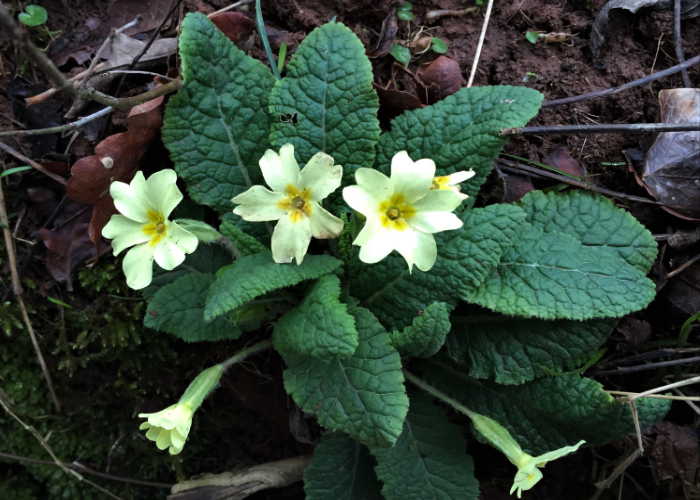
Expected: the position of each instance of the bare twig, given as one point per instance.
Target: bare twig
(480, 44)
(678, 42)
(148, 45)
(32, 163)
(107, 41)
(690, 381)
(615, 128)
(50, 451)
(619, 469)
(642, 81)
(86, 470)
(10, 27)
(60, 128)
(655, 396)
(650, 366)
(18, 293)
(635, 418)
(437, 14)
(39, 98)
(135, 72)
(687, 399)
(232, 6)
(683, 267)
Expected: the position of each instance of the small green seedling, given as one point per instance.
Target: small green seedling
(34, 15)
(401, 54)
(532, 36)
(530, 77)
(281, 57)
(404, 12)
(438, 45)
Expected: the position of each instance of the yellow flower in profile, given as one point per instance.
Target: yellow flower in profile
(295, 201)
(451, 182)
(144, 207)
(169, 428)
(404, 210)
(529, 472)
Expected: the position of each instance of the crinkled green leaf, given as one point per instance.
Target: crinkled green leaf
(206, 259)
(319, 326)
(246, 243)
(362, 395)
(465, 258)
(217, 125)
(547, 413)
(429, 460)
(327, 92)
(594, 221)
(258, 274)
(178, 308)
(426, 335)
(342, 470)
(553, 276)
(514, 350)
(461, 131)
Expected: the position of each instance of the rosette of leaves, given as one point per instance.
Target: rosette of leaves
(519, 288)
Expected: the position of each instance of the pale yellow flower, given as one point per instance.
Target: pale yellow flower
(452, 181)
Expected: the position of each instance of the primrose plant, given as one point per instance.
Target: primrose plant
(403, 293)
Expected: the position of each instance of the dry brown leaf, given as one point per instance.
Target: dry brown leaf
(390, 27)
(122, 12)
(560, 159)
(235, 25)
(442, 77)
(675, 451)
(116, 159)
(635, 331)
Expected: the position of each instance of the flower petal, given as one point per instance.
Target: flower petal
(372, 227)
(460, 176)
(417, 248)
(163, 193)
(374, 183)
(131, 199)
(138, 266)
(320, 176)
(259, 204)
(290, 240)
(124, 233)
(409, 178)
(178, 442)
(361, 201)
(378, 246)
(145, 425)
(524, 481)
(434, 212)
(170, 251)
(323, 224)
(281, 169)
(444, 200)
(553, 455)
(163, 440)
(153, 433)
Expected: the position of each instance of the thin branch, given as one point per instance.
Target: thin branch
(688, 399)
(690, 381)
(60, 128)
(86, 470)
(39, 98)
(677, 41)
(616, 128)
(34, 164)
(148, 45)
(642, 81)
(46, 446)
(135, 72)
(650, 366)
(683, 267)
(10, 27)
(655, 396)
(638, 431)
(107, 41)
(480, 44)
(604, 485)
(232, 6)
(16, 284)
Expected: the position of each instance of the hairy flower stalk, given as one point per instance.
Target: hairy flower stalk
(405, 210)
(144, 207)
(295, 201)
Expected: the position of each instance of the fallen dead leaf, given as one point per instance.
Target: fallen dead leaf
(116, 159)
(125, 11)
(684, 290)
(672, 165)
(560, 159)
(675, 451)
(235, 25)
(635, 331)
(68, 248)
(442, 77)
(390, 27)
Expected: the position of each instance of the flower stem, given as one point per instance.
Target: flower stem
(240, 356)
(438, 394)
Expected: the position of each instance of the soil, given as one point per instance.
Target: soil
(258, 430)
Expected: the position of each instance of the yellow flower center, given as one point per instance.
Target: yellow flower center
(296, 203)
(156, 228)
(394, 212)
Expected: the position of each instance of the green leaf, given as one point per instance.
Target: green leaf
(258, 274)
(342, 470)
(594, 221)
(547, 413)
(438, 45)
(429, 460)
(247, 244)
(328, 87)
(404, 15)
(461, 131)
(513, 350)
(532, 36)
(401, 54)
(178, 308)
(217, 125)
(553, 276)
(14, 170)
(34, 15)
(465, 258)
(206, 259)
(362, 395)
(426, 335)
(319, 326)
